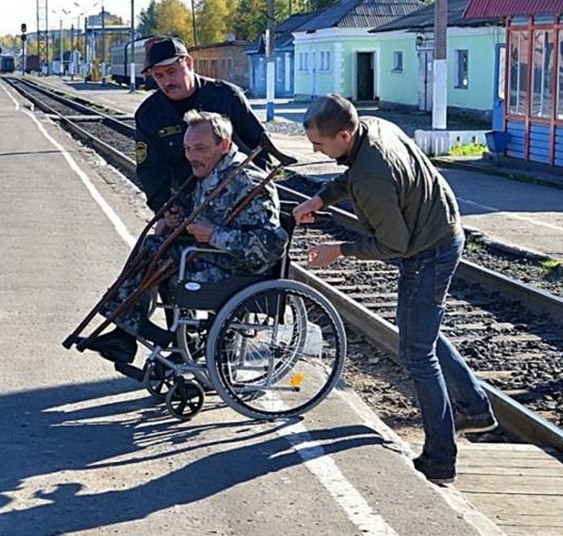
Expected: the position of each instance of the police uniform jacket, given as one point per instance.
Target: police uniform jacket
(161, 164)
(398, 195)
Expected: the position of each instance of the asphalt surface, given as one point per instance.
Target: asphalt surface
(87, 451)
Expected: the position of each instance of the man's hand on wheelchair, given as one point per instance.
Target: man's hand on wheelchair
(322, 255)
(201, 231)
(305, 212)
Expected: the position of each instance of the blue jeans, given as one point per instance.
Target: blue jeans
(442, 380)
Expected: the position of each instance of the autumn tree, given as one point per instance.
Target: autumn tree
(215, 20)
(174, 18)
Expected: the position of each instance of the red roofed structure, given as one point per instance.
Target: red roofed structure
(529, 105)
(510, 8)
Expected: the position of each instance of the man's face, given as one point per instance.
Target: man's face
(176, 80)
(202, 150)
(333, 147)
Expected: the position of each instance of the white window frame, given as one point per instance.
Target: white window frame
(398, 58)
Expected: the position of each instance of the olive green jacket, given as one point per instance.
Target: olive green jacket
(398, 195)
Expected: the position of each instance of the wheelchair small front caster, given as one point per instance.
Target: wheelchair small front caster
(155, 380)
(185, 398)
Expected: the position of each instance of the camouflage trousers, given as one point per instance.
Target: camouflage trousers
(199, 270)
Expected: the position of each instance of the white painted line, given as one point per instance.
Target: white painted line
(357, 509)
(322, 466)
(509, 215)
(16, 103)
(118, 224)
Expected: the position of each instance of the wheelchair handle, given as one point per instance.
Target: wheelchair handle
(322, 215)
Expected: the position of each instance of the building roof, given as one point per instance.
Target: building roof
(423, 18)
(504, 8)
(284, 30)
(359, 14)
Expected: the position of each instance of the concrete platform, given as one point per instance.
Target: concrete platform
(87, 451)
(104, 458)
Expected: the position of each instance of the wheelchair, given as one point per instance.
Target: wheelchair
(270, 347)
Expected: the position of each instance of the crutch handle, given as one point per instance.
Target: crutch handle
(268, 144)
(69, 341)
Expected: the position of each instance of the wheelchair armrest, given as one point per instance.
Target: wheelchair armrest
(194, 249)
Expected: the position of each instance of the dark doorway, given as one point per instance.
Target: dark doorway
(364, 77)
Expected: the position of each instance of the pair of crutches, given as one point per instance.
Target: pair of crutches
(154, 274)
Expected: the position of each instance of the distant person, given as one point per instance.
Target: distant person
(161, 165)
(412, 220)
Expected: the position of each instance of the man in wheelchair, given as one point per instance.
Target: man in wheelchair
(245, 230)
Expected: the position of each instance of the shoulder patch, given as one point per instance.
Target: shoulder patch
(141, 150)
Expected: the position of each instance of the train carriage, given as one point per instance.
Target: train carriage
(7, 64)
(121, 60)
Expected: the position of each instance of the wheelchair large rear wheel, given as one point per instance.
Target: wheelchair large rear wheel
(275, 349)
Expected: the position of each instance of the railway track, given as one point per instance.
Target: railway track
(509, 331)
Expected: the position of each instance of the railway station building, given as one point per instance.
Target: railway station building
(528, 107)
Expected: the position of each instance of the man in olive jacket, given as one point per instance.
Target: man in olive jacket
(412, 220)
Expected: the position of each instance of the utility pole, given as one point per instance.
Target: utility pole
(61, 49)
(270, 62)
(71, 56)
(103, 45)
(132, 83)
(194, 29)
(440, 90)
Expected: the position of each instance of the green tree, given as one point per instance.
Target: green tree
(215, 20)
(174, 18)
(298, 6)
(251, 16)
(314, 5)
(148, 20)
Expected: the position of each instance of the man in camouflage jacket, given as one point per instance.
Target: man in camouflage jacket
(251, 243)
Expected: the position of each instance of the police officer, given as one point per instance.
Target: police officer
(161, 165)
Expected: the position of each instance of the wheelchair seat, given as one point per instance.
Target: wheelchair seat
(212, 296)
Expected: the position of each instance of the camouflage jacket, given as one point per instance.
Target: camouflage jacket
(254, 240)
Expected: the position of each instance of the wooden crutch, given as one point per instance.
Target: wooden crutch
(134, 262)
(155, 276)
(149, 279)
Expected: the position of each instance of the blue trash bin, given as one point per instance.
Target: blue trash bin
(497, 140)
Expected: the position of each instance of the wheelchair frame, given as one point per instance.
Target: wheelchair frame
(268, 320)
(268, 346)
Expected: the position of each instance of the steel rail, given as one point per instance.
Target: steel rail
(514, 418)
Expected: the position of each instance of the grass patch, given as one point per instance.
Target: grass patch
(472, 245)
(469, 149)
(552, 268)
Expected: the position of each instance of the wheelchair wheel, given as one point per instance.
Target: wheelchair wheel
(155, 380)
(185, 399)
(276, 349)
